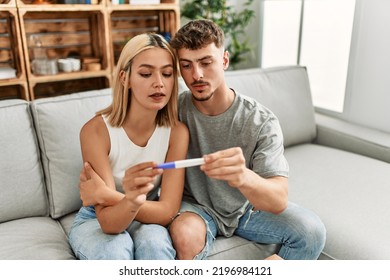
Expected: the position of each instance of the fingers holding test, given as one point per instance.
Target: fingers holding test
(227, 159)
(145, 169)
(140, 175)
(228, 165)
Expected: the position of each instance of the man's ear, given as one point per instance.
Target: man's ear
(225, 60)
(122, 76)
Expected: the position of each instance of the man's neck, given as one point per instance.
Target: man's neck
(221, 100)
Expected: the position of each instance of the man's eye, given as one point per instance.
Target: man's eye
(205, 63)
(185, 66)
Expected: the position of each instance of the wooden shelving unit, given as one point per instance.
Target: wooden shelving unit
(81, 31)
(11, 54)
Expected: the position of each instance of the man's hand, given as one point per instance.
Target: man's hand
(91, 186)
(227, 165)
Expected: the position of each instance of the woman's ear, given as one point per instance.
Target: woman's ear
(122, 76)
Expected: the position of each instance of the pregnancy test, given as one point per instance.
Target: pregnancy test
(181, 163)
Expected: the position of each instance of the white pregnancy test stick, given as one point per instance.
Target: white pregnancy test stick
(181, 163)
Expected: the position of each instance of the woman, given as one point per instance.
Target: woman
(123, 144)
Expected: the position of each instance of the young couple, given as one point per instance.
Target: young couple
(133, 210)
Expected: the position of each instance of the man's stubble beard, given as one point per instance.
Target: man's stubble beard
(202, 99)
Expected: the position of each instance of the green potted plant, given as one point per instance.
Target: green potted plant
(232, 22)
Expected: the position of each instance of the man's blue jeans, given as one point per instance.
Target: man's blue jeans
(139, 241)
(299, 231)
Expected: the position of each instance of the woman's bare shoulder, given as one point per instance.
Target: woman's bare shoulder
(93, 126)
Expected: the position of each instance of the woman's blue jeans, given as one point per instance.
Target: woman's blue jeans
(299, 231)
(139, 241)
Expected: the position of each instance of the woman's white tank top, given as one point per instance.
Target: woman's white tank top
(124, 153)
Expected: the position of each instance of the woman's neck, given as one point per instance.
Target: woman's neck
(139, 126)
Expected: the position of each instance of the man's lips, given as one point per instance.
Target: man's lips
(199, 86)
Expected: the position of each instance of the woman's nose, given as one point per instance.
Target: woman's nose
(158, 83)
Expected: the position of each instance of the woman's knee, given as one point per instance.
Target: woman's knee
(152, 242)
(97, 245)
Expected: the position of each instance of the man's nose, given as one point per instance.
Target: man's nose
(197, 74)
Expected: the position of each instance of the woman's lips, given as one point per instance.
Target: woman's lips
(157, 96)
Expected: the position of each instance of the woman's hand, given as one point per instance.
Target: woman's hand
(138, 181)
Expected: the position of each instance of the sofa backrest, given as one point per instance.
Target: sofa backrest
(22, 189)
(58, 121)
(285, 91)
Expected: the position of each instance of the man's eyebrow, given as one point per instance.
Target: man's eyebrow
(197, 60)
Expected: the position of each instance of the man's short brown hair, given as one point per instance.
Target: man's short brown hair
(197, 34)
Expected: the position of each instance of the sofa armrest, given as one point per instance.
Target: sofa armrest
(354, 138)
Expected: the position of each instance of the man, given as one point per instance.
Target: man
(242, 189)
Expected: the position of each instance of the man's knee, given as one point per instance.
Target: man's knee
(313, 233)
(188, 233)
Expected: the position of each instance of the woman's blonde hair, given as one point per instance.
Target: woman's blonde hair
(120, 105)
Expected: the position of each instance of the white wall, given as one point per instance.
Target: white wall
(367, 99)
(368, 86)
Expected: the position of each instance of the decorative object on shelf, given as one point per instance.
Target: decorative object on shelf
(7, 73)
(40, 64)
(232, 22)
(94, 66)
(65, 65)
(91, 64)
(44, 66)
(69, 64)
(144, 2)
(40, 2)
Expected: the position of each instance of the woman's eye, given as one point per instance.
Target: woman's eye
(145, 75)
(167, 75)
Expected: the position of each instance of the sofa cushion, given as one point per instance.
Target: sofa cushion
(35, 238)
(284, 90)
(237, 248)
(22, 189)
(349, 193)
(67, 222)
(58, 121)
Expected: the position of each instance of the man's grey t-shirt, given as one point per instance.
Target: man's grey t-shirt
(246, 124)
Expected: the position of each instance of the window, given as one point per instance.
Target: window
(313, 33)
